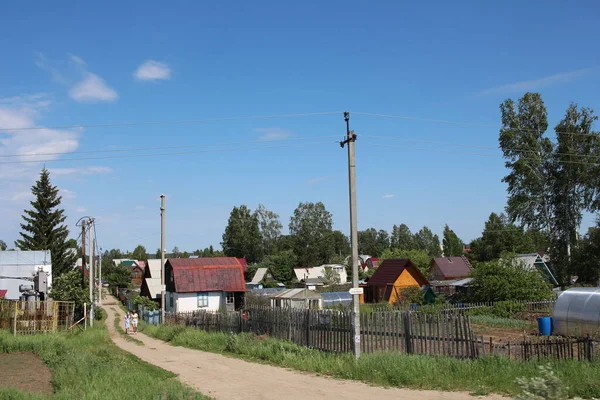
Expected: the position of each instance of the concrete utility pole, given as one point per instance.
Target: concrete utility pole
(100, 278)
(350, 139)
(91, 272)
(83, 263)
(162, 258)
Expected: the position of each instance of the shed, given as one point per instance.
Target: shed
(392, 276)
(577, 312)
(297, 298)
(19, 267)
(449, 268)
(332, 299)
(535, 261)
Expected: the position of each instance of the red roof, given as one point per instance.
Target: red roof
(389, 271)
(85, 271)
(453, 267)
(3, 293)
(244, 263)
(207, 274)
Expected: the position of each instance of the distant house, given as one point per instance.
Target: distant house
(316, 275)
(18, 268)
(207, 283)
(371, 264)
(449, 268)
(152, 278)
(392, 276)
(137, 271)
(538, 262)
(297, 298)
(262, 275)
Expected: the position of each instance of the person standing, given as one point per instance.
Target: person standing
(127, 322)
(134, 321)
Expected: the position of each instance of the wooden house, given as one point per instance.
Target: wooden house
(390, 279)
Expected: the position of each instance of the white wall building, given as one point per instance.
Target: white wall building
(22, 264)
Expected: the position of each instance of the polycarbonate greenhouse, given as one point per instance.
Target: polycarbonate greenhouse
(332, 299)
(577, 313)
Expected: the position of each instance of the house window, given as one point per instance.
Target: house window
(202, 300)
(229, 298)
(171, 301)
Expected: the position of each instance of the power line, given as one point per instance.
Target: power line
(474, 146)
(164, 147)
(164, 154)
(467, 153)
(184, 121)
(474, 124)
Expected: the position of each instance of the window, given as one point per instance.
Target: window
(229, 298)
(202, 300)
(171, 301)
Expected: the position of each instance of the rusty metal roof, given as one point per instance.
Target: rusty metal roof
(389, 271)
(453, 267)
(207, 274)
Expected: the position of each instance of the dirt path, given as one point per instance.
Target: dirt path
(222, 377)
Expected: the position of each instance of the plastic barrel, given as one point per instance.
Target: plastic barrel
(545, 326)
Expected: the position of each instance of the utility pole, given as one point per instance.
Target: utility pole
(83, 263)
(162, 258)
(350, 139)
(91, 272)
(100, 278)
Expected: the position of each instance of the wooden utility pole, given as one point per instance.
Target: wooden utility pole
(350, 139)
(83, 263)
(162, 258)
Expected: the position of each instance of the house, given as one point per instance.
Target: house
(18, 269)
(152, 280)
(317, 275)
(207, 283)
(371, 264)
(262, 275)
(393, 276)
(3, 293)
(137, 271)
(449, 268)
(537, 262)
(297, 299)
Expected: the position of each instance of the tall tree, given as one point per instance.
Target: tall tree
(501, 236)
(341, 244)
(382, 242)
(281, 265)
(427, 241)
(44, 227)
(242, 237)
(270, 228)
(311, 229)
(176, 252)
(453, 246)
(139, 253)
(367, 241)
(402, 238)
(2, 245)
(586, 256)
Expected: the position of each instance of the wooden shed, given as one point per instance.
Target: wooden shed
(392, 276)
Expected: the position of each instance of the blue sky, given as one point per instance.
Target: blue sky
(115, 62)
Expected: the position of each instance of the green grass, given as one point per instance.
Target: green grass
(497, 322)
(119, 328)
(87, 365)
(494, 375)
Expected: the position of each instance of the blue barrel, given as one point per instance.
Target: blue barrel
(413, 307)
(545, 326)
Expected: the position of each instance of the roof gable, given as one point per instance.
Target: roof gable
(389, 271)
(453, 267)
(207, 274)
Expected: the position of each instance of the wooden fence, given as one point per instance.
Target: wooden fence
(581, 349)
(544, 306)
(31, 317)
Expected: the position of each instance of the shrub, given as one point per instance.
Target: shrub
(547, 386)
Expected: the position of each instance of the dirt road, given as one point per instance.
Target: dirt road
(222, 377)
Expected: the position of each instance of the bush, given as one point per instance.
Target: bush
(99, 314)
(545, 387)
(506, 309)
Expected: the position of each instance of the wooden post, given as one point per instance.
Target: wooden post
(15, 318)
(407, 335)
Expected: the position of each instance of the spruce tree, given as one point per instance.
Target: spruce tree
(44, 229)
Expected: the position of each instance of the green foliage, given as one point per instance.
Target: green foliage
(281, 265)
(67, 287)
(373, 242)
(117, 276)
(425, 240)
(270, 228)
(331, 277)
(453, 246)
(586, 256)
(145, 302)
(140, 253)
(242, 237)
(341, 247)
(390, 369)
(547, 386)
(2, 245)
(411, 295)
(311, 229)
(507, 279)
(499, 322)
(44, 227)
(420, 258)
(402, 238)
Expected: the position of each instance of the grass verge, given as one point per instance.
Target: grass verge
(87, 365)
(494, 375)
(117, 324)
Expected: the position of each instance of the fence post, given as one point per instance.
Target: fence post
(15, 319)
(407, 334)
(307, 319)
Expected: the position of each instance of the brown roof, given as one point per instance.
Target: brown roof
(207, 274)
(389, 270)
(453, 267)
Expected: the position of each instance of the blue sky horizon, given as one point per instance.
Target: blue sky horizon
(114, 63)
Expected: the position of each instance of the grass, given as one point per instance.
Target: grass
(497, 322)
(494, 375)
(87, 365)
(117, 324)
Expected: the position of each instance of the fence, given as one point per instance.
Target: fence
(581, 349)
(31, 317)
(544, 306)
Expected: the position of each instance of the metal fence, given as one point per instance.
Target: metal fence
(31, 317)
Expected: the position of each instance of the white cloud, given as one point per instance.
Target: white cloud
(67, 194)
(80, 171)
(272, 134)
(316, 180)
(92, 89)
(387, 196)
(80, 209)
(85, 86)
(139, 207)
(152, 71)
(536, 84)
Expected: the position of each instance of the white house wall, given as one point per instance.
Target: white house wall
(185, 302)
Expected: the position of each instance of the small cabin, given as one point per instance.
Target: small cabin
(388, 281)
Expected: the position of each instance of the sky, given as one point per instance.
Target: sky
(69, 68)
